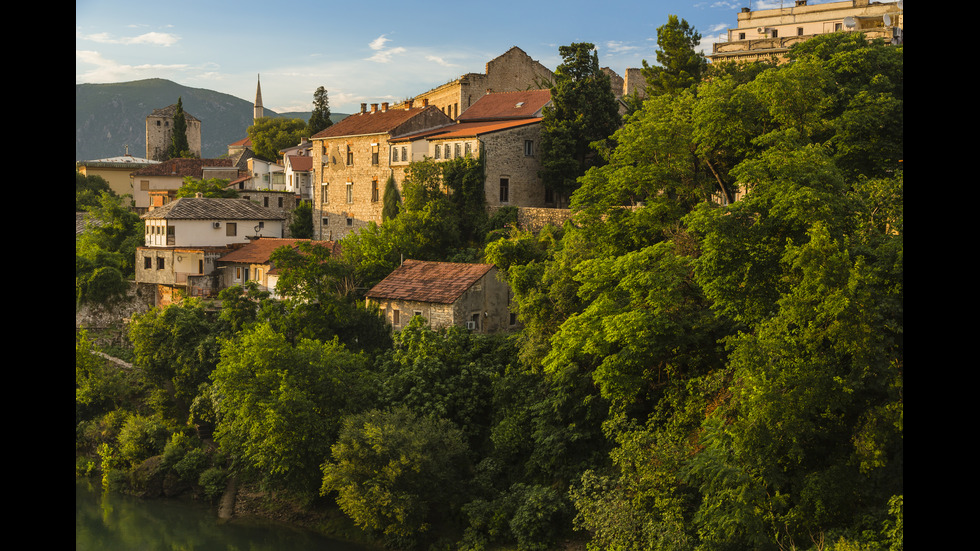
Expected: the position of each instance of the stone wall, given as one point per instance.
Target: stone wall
(513, 155)
(138, 299)
(534, 219)
(345, 199)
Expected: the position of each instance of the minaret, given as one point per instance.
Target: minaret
(258, 112)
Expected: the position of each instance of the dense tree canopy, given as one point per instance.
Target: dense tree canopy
(709, 355)
(583, 110)
(270, 135)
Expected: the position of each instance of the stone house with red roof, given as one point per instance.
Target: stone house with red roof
(445, 293)
(352, 160)
(252, 262)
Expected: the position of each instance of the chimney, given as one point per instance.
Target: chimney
(363, 108)
(384, 107)
(374, 108)
(425, 102)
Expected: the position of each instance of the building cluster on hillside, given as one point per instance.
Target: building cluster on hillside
(197, 246)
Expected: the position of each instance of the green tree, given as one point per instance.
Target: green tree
(281, 404)
(178, 140)
(320, 117)
(88, 189)
(177, 348)
(211, 187)
(105, 253)
(301, 225)
(398, 473)
(583, 111)
(270, 135)
(679, 64)
(391, 200)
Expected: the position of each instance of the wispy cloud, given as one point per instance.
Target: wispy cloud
(102, 69)
(440, 61)
(151, 38)
(383, 55)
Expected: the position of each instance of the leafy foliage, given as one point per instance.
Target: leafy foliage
(270, 135)
(211, 187)
(679, 64)
(320, 117)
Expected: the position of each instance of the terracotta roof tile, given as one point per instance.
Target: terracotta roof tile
(259, 250)
(471, 129)
(379, 122)
(301, 163)
(507, 105)
(182, 167)
(423, 281)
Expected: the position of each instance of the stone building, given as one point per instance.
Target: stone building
(505, 130)
(159, 132)
(445, 293)
(115, 170)
(512, 71)
(353, 159)
(768, 34)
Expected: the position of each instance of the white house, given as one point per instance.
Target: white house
(185, 238)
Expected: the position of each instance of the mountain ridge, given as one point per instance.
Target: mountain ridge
(111, 118)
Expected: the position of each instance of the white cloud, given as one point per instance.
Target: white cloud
(102, 69)
(440, 61)
(152, 38)
(378, 43)
(384, 56)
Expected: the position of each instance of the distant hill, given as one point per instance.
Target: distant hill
(109, 117)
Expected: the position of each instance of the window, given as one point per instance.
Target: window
(147, 263)
(741, 36)
(325, 192)
(231, 228)
(374, 190)
(350, 222)
(799, 31)
(394, 317)
(265, 202)
(350, 192)
(438, 152)
(374, 154)
(325, 221)
(838, 26)
(775, 33)
(280, 202)
(528, 148)
(504, 190)
(447, 151)
(466, 149)
(160, 263)
(350, 155)
(404, 153)
(238, 273)
(258, 274)
(456, 151)
(513, 318)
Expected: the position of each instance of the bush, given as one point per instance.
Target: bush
(213, 481)
(190, 467)
(140, 438)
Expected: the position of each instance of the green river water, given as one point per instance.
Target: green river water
(114, 522)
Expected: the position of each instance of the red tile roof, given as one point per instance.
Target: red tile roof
(471, 129)
(507, 105)
(423, 281)
(379, 122)
(300, 163)
(259, 250)
(182, 167)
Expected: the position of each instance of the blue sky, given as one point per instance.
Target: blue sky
(364, 53)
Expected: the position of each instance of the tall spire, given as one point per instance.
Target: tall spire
(258, 112)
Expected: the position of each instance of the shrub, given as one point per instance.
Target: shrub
(213, 481)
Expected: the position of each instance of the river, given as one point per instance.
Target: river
(115, 522)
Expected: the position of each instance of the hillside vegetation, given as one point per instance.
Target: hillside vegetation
(690, 374)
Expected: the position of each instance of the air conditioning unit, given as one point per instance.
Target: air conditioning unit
(216, 225)
(471, 325)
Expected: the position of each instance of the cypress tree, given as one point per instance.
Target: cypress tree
(178, 141)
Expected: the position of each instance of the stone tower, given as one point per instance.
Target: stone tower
(159, 131)
(258, 111)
